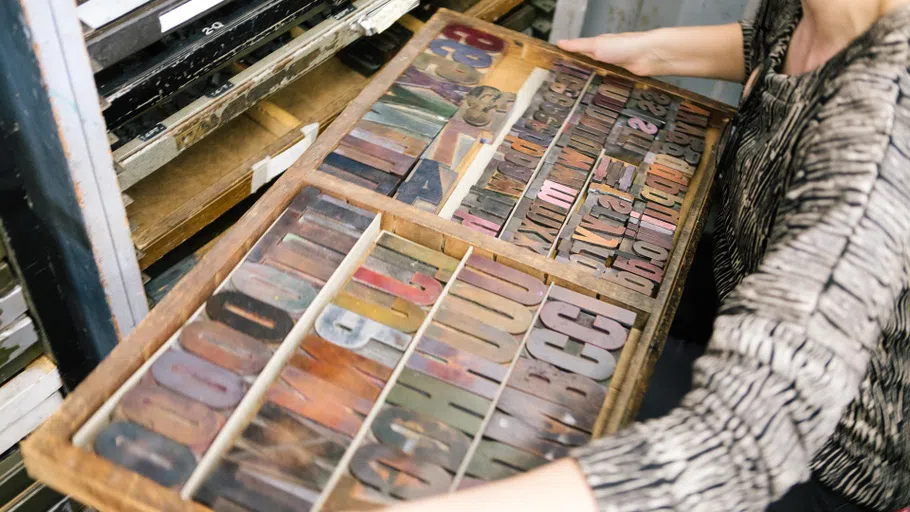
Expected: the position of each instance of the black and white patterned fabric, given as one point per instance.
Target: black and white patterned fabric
(808, 369)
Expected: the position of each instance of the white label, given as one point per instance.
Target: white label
(266, 169)
(97, 13)
(179, 15)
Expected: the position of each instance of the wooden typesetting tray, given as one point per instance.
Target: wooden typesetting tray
(554, 352)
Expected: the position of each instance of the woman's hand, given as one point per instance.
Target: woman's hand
(556, 486)
(631, 50)
(714, 51)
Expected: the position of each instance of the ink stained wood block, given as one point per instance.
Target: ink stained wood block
(339, 371)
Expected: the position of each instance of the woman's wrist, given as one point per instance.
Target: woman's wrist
(651, 61)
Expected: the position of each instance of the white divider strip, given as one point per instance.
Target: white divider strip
(393, 379)
(583, 193)
(549, 150)
(269, 167)
(101, 418)
(459, 475)
(181, 14)
(249, 405)
(523, 99)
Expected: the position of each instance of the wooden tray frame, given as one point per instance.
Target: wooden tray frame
(49, 453)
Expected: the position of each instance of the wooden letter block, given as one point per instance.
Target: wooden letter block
(420, 437)
(225, 347)
(457, 367)
(145, 452)
(196, 378)
(352, 331)
(436, 399)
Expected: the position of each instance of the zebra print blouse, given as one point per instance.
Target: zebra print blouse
(808, 369)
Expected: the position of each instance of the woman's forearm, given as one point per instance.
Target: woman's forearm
(557, 486)
(712, 51)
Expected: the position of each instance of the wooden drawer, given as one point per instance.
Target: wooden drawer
(343, 328)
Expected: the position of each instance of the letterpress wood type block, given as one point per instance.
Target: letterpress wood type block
(145, 452)
(343, 368)
(495, 461)
(226, 347)
(457, 367)
(420, 437)
(401, 315)
(281, 460)
(343, 167)
(422, 289)
(354, 332)
(436, 399)
(463, 333)
(198, 379)
(397, 476)
(577, 333)
(186, 421)
(274, 287)
(322, 402)
(250, 316)
(428, 184)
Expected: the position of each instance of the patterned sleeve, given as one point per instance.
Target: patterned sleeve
(793, 341)
(748, 55)
(761, 29)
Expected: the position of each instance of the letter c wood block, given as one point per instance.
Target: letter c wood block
(593, 361)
